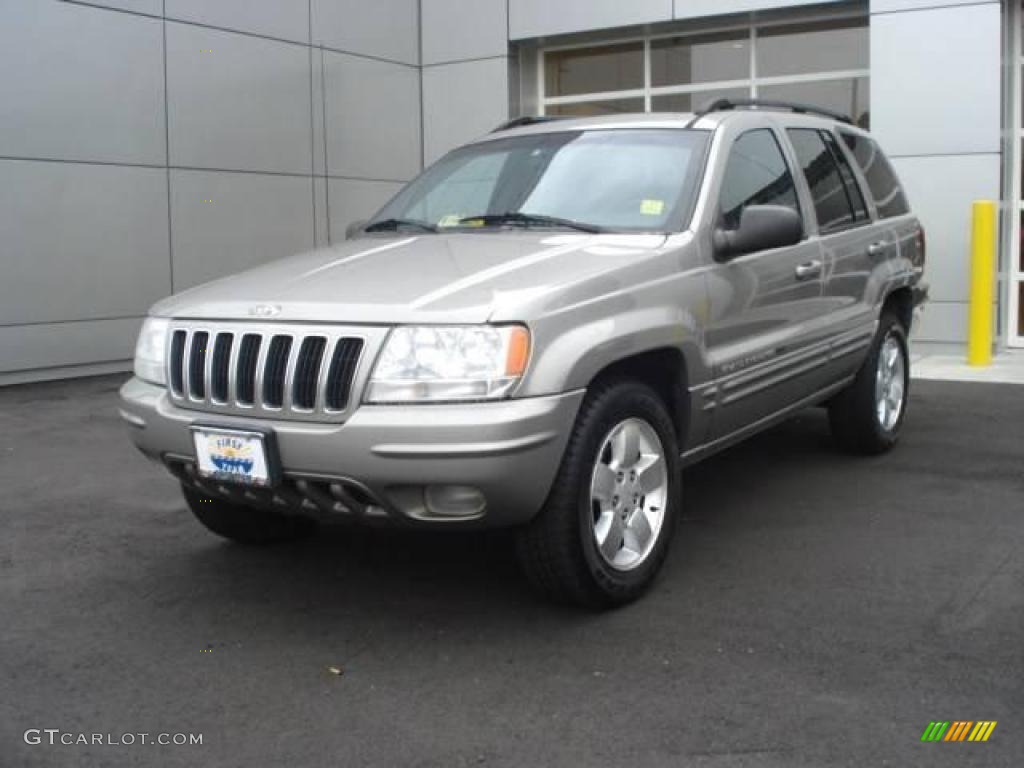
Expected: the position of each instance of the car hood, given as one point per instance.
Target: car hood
(447, 278)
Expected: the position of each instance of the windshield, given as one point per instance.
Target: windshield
(640, 180)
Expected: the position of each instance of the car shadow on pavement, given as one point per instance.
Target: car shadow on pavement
(355, 571)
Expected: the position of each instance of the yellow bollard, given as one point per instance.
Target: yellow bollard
(983, 276)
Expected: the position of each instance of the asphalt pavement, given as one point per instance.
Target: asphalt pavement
(816, 610)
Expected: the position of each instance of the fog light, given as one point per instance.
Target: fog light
(453, 500)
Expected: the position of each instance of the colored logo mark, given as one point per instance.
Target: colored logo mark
(231, 455)
(959, 730)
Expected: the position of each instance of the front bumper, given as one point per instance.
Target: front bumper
(379, 463)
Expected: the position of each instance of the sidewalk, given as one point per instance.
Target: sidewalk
(1007, 367)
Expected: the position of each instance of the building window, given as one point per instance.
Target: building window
(823, 63)
(593, 69)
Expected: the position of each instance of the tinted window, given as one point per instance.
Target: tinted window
(885, 187)
(831, 198)
(860, 208)
(756, 174)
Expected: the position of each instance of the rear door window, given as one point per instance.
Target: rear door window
(834, 203)
(882, 181)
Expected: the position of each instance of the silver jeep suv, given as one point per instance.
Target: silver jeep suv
(540, 331)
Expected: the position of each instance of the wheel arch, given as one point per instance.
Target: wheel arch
(664, 370)
(901, 302)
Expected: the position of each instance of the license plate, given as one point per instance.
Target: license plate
(232, 455)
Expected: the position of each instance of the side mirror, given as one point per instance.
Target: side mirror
(355, 228)
(761, 228)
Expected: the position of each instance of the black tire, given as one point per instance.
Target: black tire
(853, 414)
(246, 525)
(557, 549)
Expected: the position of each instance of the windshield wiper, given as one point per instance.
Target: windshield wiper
(526, 219)
(389, 225)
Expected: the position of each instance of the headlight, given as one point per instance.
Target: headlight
(431, 364)
(151, 350)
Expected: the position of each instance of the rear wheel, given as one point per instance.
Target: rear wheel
(605, 529)
(868, 415)
(247, 525)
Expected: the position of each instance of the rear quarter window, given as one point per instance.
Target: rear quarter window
(882, 181)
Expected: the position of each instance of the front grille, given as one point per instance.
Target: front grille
(178, 353)
(248, 359)
(197, 365)
(343, 364)
(275, 370)
(285, 370)
(307, 372)
(221, 360)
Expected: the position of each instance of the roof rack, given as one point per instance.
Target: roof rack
(520, 122)
(724, 105)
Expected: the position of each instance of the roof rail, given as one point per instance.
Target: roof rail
(724, 105)
(519, 122)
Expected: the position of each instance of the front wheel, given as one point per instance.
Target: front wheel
(868, 415)
(605, 529)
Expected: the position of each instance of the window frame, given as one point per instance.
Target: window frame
(854, 223)
(785, 153)
(752, 83)
(842, 158)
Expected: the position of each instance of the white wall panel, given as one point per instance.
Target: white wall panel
(237, 101)
(227, 222)
(387, 29)
(689, 9)
(150, 7)
(944, 322)
(887, 6)
(320, 212)
(935, 80)
(940, 190)
(455, 30)
(80, 83)
(373, 118)
(461, 102)
(34, 348)
(536, 18)
(287, 19)
(81, 241)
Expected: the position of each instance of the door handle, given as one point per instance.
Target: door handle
(877, 249)
(808, 270)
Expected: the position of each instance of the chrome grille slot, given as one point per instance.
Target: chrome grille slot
(177, 362)
(219, 367)
(248, 357)
(301, 371)
(273, 375)
(197, 365)
(341, 373)
(307, 372)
